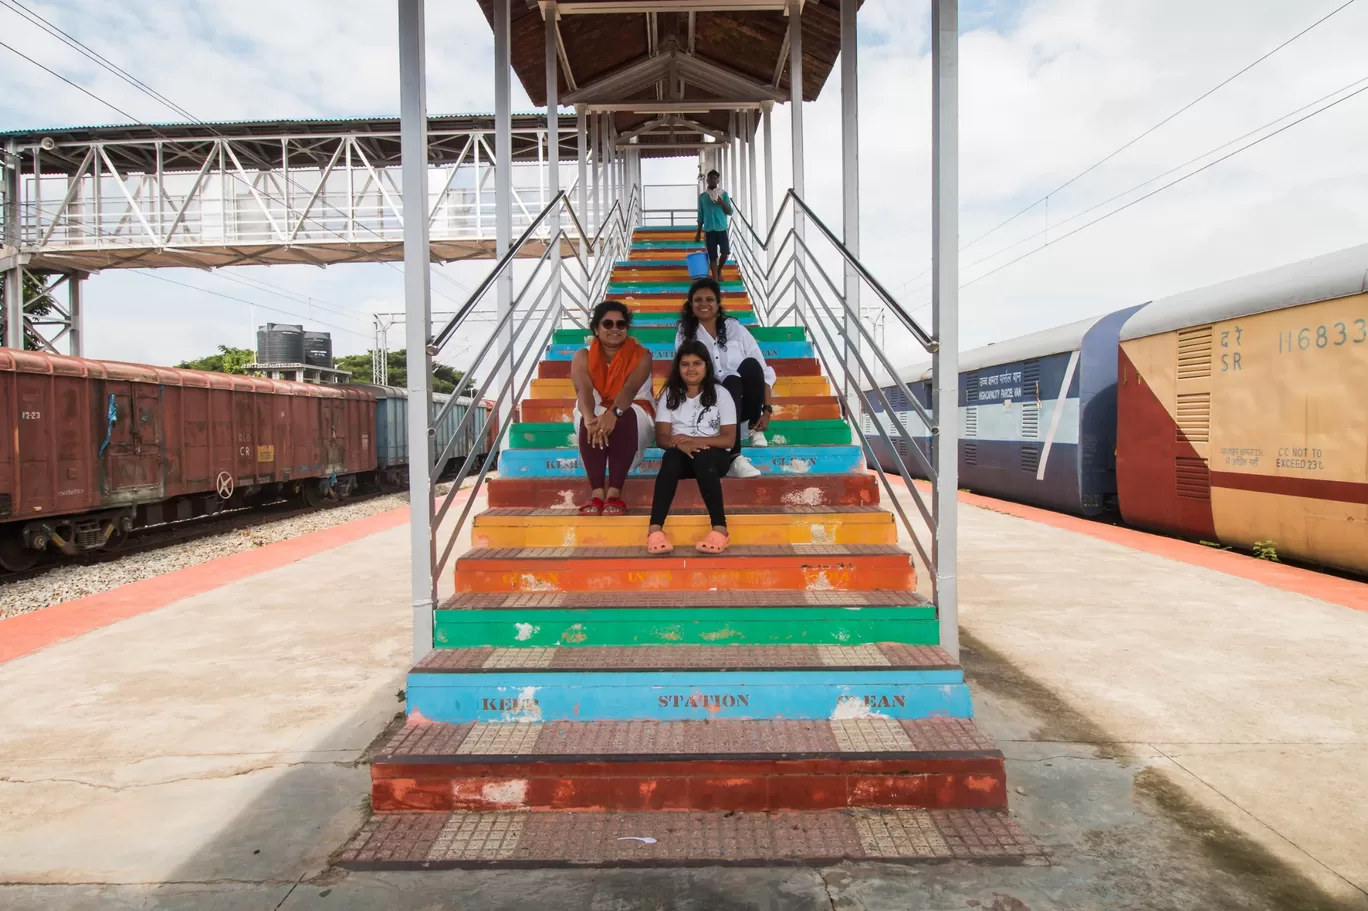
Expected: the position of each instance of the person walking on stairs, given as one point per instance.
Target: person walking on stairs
(696, 426)
(613, 406)
(714, 207)
(739, 362)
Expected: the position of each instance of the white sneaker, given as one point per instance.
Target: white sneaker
(757, 439)
(741, 467)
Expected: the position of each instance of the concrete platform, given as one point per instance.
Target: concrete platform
(1186, 730)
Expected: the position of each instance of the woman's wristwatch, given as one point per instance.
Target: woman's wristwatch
(767, 408)
(618, 413)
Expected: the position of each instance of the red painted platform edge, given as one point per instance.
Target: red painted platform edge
(1344, 592)
(30, 632)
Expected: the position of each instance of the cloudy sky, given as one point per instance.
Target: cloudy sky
(1048, 88)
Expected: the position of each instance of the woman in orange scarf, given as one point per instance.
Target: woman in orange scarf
(614, 406)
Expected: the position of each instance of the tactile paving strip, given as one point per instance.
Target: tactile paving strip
(689, 657)
(399, 841)
(648, 599)
(720, 738)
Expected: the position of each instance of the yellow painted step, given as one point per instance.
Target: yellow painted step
(557, 528)
(784, 386)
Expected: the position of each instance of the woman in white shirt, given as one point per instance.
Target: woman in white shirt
(696, 426)
(739, 363)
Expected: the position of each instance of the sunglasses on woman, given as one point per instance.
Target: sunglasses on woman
(613, 323)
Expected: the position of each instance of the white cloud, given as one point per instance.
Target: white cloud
(1047, 88)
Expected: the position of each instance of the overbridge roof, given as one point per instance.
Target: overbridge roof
(671, 69)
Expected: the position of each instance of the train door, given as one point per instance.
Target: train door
(244, 428)
(35, 426)
(132, 442)
(332, 429)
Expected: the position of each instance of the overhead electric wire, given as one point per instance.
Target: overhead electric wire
(1172, 183)
(147, 273)
(74, 85)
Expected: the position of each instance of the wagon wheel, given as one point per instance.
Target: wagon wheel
(14, 556)
(117, 540)
(311, 492)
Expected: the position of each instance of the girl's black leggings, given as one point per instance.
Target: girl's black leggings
(707, 467)
(747, 390)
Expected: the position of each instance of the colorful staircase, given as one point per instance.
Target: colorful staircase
(586, 704)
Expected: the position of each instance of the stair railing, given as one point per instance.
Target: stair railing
(559, 291)
(781, 271)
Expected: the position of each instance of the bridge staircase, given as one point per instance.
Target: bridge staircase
(787, 701)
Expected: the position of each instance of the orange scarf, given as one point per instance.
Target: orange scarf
(610, 376)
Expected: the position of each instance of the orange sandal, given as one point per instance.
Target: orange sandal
(658, 544)
(714, 543)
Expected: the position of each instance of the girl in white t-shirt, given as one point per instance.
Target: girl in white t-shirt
(696, 426)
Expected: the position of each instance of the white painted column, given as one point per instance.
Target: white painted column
(765, 110)
(14, 272)
(753, 212)
(76, 309)
(945, 308)
(796, 110)
(553, 143)
(595, 196)
(503, 192)
(850, 195)
(417, 314)
(582, 205)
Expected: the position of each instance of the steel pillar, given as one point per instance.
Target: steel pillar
(503, 192)
(754, 180)
(553, 139)
(75, 314)
(945, 307)
(850, 193)
(765, 110)
(795, 29)
(9, 249)
(417, 315)
(582, 207)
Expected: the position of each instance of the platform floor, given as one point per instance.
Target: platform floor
(1177, 736)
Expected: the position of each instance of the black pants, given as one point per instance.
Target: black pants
(747, 390)
(707, 467)
(718, 243)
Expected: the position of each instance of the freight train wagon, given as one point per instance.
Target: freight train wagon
(1037, 416)
(391, 432)
(97, 448)
(1241, 414)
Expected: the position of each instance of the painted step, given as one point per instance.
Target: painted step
(663, 270)
(798, 460)
(666, 336)
(662, 244)
(665, 351)
(833, 567)
(784, 387)
(680, 683)
(943, 763)
(737, 304)
(766, 491)
(670, 318)
(654, 287)
(559, 435)
(788, 408)
(749, 525)
(789, 366)
(602, 839)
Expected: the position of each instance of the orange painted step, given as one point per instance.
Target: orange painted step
(810, 568)
(736, 304)
(792, 408)
(789, 366)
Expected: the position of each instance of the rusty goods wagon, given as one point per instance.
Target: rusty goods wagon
(1241, 412)
(93, 449)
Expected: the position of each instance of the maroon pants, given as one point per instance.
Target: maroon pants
(616, 460)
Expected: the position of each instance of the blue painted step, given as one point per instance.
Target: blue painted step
(772, 350)
(776, 460)
(818, 694)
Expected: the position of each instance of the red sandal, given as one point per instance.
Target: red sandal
(615, 506)
(593, 508)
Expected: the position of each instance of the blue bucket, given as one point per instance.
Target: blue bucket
(698, 265)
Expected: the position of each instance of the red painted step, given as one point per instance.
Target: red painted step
(787, 490)
(738, 766)
(792, 366)
(786, 408)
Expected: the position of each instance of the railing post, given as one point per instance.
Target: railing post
(945, 307)
(503, 185)
(850, 184)
(417, 315)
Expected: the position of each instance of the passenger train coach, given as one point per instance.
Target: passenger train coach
(1233, 414)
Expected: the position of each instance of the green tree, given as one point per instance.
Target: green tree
(228, 360)
(444, 378)
(37, 303)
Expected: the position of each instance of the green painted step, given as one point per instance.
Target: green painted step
(666, 334)
(781, 433)
(684, 626)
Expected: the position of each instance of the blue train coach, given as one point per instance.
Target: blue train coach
(391, 432)
(1037, 416)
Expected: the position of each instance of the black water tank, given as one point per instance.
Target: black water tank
(318, 349)
(280, 343)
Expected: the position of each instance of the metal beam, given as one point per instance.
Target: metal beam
(417, 313)
(701, 106)
(646, 72)
(945, 309)
(610, 7)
